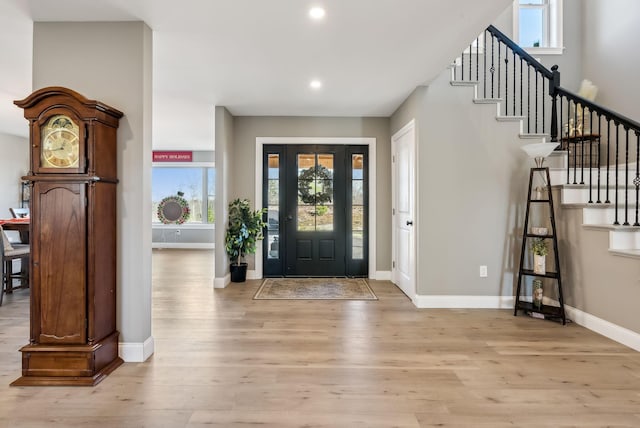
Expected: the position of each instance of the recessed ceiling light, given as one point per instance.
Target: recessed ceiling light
(315, 84)
(316, 13)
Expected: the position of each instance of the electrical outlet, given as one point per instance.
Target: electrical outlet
(483, 271)
(178, 232)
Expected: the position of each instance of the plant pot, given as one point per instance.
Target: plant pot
(238, 272)
(539, 263)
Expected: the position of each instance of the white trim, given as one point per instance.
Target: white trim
(136, 352)
(383, 275)
(476, 302)
(607, 329)
(185, 245)
(184, 226)
(252, 274)
(336, 141)
(222, 282)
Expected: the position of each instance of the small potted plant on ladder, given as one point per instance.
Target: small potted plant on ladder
(540, 250)
(244, 229)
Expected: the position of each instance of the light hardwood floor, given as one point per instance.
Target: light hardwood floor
(223, 359)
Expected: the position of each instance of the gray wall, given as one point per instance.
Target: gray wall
(595, 281)
(111, 62)
(610, 53)
(15, 164)
(224, 134)
(246, 130)
(471, 186)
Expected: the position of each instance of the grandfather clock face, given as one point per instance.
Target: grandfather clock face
(60, 147)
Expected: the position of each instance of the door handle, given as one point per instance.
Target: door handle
(409, 222)
(289, 218)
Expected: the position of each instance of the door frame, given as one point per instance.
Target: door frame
(336, 141)
(409, 126)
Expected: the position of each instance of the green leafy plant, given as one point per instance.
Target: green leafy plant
(539, 247)
(244, 229)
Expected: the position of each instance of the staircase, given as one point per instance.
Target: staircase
(606, 186)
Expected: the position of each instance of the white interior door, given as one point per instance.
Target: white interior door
(403, 189)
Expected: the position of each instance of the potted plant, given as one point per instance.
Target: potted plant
(244, 229)
(540, 250)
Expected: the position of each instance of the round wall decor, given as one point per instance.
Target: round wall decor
(173, 209)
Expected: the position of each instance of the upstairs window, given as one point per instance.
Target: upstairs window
(538, 25)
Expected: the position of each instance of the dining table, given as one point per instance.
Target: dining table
(19, 224)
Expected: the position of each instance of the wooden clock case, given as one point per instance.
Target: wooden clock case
(73, 336)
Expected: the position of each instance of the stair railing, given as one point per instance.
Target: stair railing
(599, 140)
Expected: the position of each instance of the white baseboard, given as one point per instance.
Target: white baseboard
(607, 329)
(222, 282)
(478, 302)
(383, 275)
(184, 245)
(252, 274)
(136, 352)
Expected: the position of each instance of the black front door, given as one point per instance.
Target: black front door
(316, 201)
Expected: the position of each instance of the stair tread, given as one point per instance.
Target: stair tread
(463, 82)
(510, 118)
(487, 100)
(626, 253)
(617, 228)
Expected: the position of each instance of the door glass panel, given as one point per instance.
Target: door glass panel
(357, 166)
(357, 206)
(357, 216)
(306, 218)
(357, 192)
(315, 192)
(324, 217)
(357, 250)
(274, 166)
(273, 207)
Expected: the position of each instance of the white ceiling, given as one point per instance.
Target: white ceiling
(257, 57)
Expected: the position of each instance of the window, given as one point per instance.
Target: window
(537, 25)
(197, 184)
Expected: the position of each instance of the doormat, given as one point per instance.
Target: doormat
(315, 289)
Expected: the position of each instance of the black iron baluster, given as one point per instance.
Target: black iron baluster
(499, 50)
(506, 82)
(484, 67)
(462, 67)
(554, 83)
(599, 140)
(590, 155)
(521, 79)
(528, 98)
(636, 181)
(536, 105)
(607, 201)
(626, 178)
(616, 222)
(514, 83)
(575, 141)
(492, 69)
(470, 60)
(568, 136)
(582, 141)
(543, 103)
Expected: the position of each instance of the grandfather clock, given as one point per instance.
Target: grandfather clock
(73, 174)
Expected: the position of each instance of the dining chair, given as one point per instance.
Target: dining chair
(8, 254)
(19, 212)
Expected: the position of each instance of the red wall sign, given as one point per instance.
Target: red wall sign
(172, 156)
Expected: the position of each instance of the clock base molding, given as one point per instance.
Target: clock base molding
(69, 365)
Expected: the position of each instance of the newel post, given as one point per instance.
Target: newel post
(554, 84)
